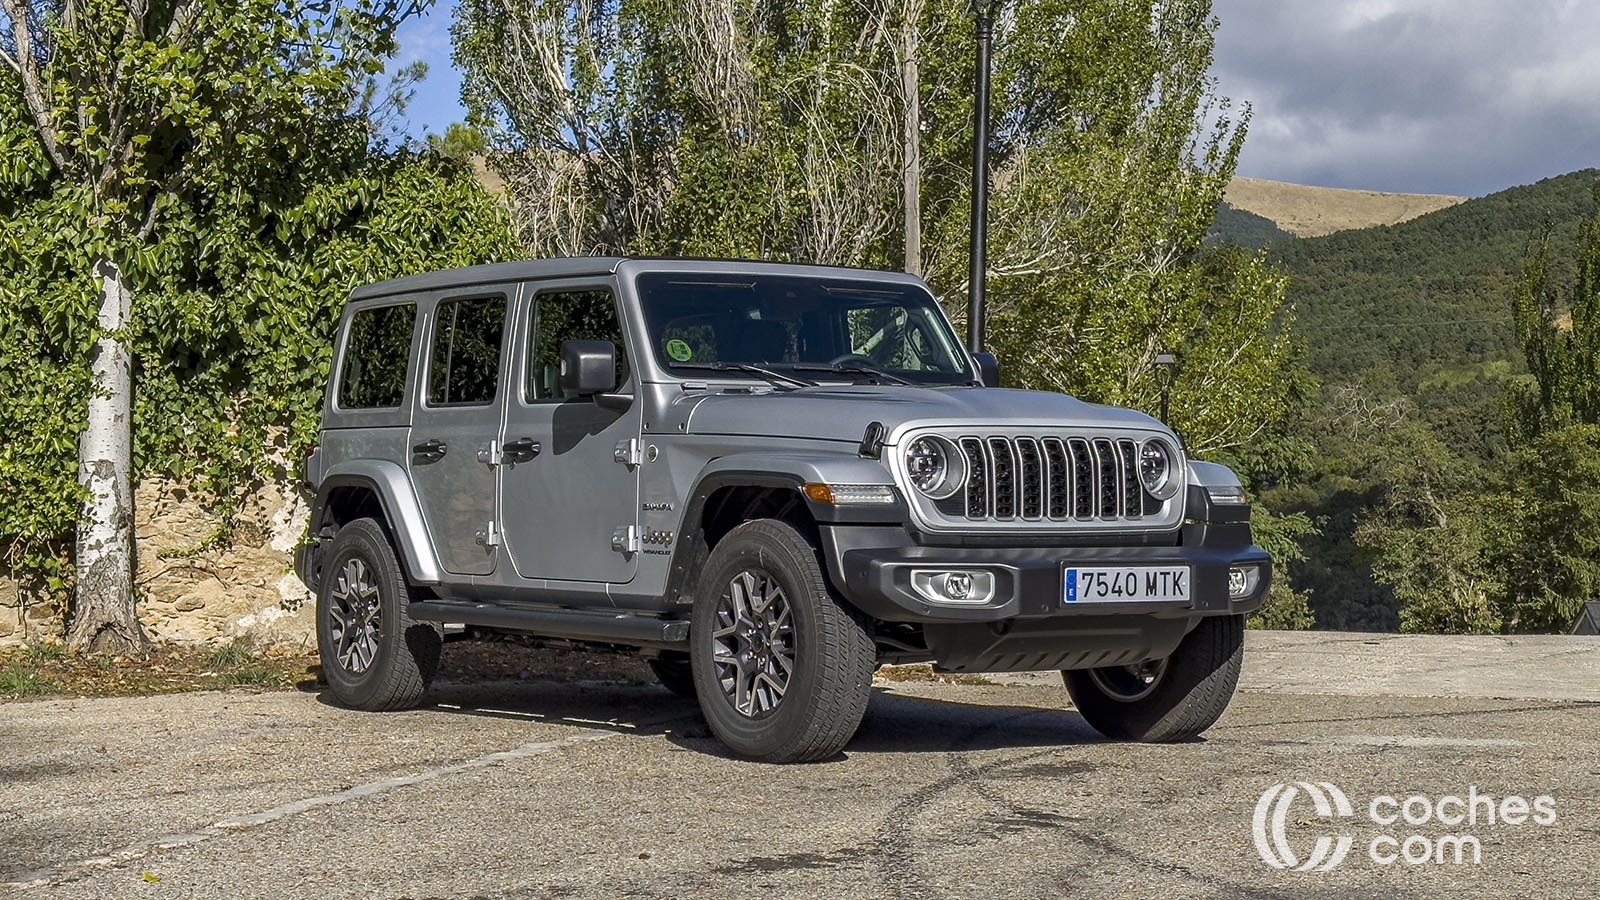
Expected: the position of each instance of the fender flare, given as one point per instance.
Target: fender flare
(782, 471)
(392, 486)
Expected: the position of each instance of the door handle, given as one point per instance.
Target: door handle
(429, 451)
(521, 450)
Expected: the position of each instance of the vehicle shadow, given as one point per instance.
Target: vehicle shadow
(901, 723)
(894, 722)
(597, 706)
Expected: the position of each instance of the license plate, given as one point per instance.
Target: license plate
(1125, 584)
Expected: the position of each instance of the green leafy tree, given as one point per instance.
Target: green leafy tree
(1433, 533)
(1559, 330)
(1552, 558)
(1106, 183)
(188, 188)
(1285, 608)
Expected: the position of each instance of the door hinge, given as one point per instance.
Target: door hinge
(489, 454)
(628, 453)
(488, 537)
(625, 540)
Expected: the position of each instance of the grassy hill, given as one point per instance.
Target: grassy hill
(1307, 211)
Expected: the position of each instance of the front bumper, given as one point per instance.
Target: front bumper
(876, 577)
(1025, 624)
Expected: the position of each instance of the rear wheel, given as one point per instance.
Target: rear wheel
(374, 655)
(782, 667)
(672, 670)
(1170, 699)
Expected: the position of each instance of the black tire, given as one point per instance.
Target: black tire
(1190, 693)
(830, 644)
(402, 659)
(672, 670)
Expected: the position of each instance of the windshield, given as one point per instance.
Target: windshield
(810, 327)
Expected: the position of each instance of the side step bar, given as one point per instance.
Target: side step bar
(566, 624)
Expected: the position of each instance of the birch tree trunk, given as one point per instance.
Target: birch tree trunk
(910, 77)
(104, 618)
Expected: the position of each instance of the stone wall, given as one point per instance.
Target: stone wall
(194, 586)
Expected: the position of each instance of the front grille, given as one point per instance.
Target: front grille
(1049, 478)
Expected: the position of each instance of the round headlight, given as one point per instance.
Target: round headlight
(935, 467)
(1156, 459)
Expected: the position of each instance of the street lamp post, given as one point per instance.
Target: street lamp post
(984, 12)
(1164, 362)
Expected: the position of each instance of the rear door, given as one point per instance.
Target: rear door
(563, 506)
(457, 422)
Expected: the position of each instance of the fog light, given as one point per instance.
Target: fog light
(960, 587)
(1242, 581)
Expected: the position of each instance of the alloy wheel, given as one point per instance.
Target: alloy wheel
(753, 644)
(353, 619)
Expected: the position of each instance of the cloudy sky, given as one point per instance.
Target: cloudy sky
(1429, 96)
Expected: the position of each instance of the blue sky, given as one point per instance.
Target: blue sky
(1429, 96)
(438, 99)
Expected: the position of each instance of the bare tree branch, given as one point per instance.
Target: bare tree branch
(27, 66)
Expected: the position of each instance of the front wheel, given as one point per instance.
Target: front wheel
(374, 655)
(1171, 699)
(783, 668)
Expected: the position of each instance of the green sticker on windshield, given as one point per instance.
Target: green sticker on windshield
(679, 350)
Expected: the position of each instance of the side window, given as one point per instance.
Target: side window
(373, 375)
(588, 315)
(895, 337)
(465, 357)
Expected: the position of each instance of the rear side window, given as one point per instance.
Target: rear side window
(375, 356)
(465, 369)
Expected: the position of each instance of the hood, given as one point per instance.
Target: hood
(842, 412)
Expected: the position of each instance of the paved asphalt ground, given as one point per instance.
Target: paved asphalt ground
(539, 789)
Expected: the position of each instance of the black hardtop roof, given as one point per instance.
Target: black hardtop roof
(585, 266)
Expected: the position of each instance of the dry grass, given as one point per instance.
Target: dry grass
(924, 672)
(1307, 211)
(45, 670)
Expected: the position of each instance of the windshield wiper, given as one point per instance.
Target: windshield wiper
(850, 369)
(753, 369)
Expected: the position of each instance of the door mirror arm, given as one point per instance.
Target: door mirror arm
(617, 403)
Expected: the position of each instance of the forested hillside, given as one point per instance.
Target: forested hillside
(1409, 331)
(1245, 228)
(1430, 293)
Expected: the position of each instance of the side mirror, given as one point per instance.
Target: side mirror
(988, 369)
(588, 368)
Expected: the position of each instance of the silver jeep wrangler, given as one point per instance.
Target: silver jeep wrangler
(769, 480)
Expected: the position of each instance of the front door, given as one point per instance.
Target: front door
(564, 505)
(455, 426)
